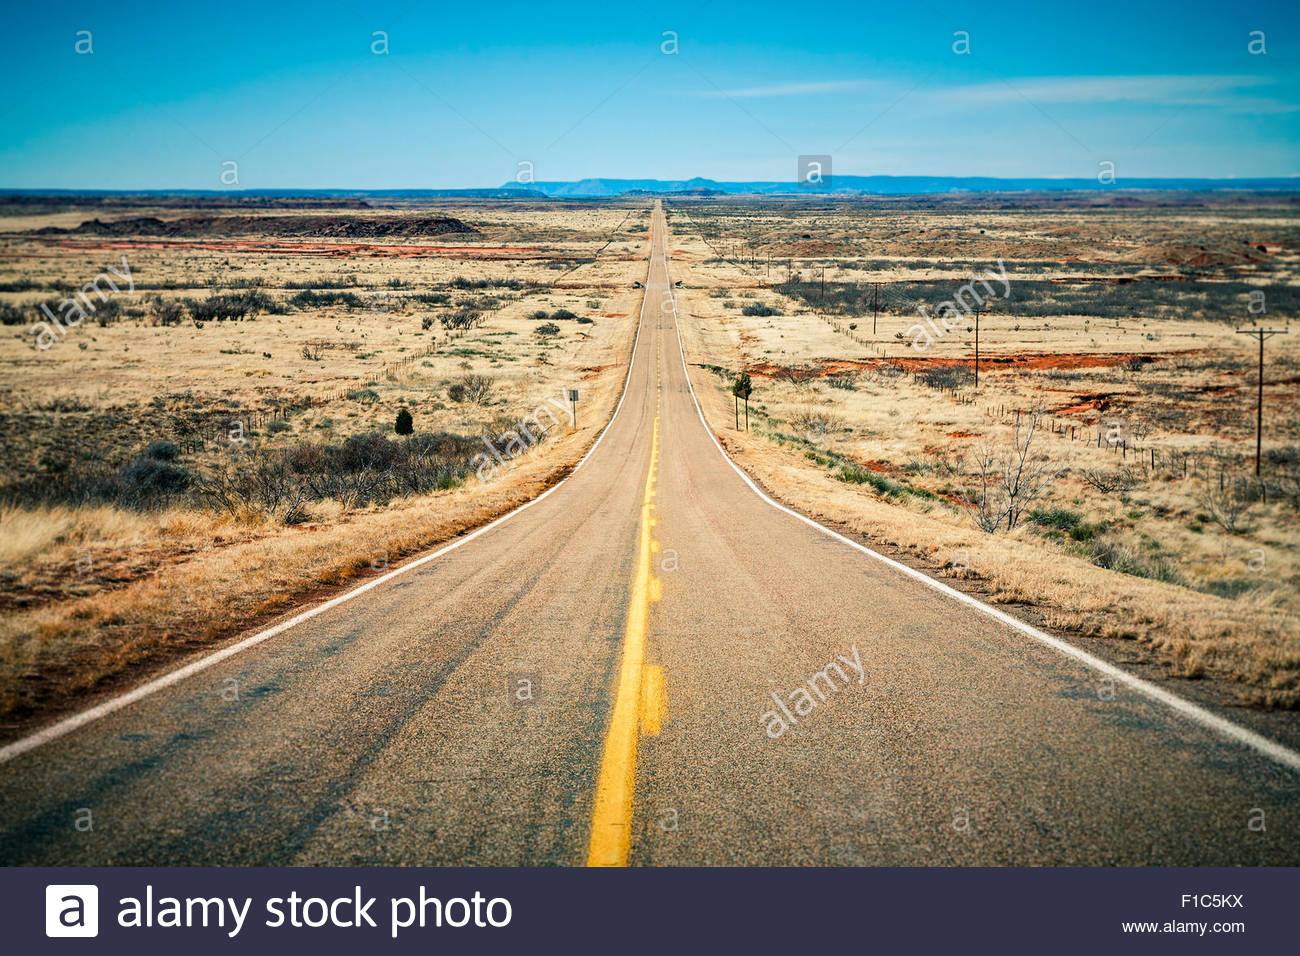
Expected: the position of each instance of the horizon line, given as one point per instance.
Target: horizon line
(1088, 184)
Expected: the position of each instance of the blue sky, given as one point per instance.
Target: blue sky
(292, 93)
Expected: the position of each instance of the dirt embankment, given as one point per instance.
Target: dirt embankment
(287, 247)
(310, 227)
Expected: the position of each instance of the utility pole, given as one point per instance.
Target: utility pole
(977, 348)
(875, 307)
(822, 295)
(1260, 334)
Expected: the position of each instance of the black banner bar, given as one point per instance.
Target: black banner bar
(783, 911)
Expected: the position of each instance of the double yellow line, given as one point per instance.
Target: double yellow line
(639, 701)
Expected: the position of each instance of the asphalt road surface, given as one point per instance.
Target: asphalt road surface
(651, 665)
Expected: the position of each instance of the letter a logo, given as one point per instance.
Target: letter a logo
(71, 910)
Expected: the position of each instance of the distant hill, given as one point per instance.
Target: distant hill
(590, 188)
(897, 185)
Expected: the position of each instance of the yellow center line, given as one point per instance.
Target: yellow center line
(639, 701)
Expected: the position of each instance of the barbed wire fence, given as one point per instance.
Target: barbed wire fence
(1115, 439)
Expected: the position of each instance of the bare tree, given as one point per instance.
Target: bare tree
(796, 375)
(1010, 483)
(986, 503)
(1026, 477)
(461, 319)
(1227, 503)
(1122, 479)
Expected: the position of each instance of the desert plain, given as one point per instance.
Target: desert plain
(289, 395)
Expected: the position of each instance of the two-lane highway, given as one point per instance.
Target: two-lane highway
(653, 665)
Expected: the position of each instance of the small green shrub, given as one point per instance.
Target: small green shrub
(311, 299)
(1063, 521)
(471, 388)
(1230, 588)
(1116, 557)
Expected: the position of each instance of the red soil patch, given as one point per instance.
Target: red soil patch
(1036, 360)
(1093, 403)
(881, 467)
(963, 435)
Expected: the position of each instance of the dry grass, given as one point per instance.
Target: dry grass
(866, 432)
(68, 646)
(95, 594)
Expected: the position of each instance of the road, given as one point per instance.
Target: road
(650, 665)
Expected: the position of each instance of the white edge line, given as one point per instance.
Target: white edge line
(81, 719)
(1271, 749)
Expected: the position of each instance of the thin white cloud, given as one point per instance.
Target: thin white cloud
(1232, 92)
(1238, 93)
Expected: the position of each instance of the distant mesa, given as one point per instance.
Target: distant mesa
(312, 227)
(693, 191)
(897, 186)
